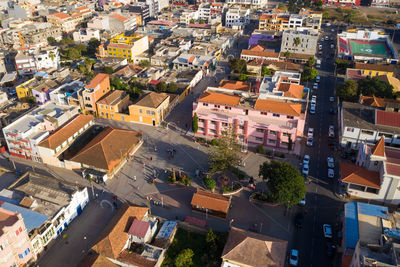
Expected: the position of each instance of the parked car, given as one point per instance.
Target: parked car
(326, 38)
(303, 201)
(298, 220)
(331, 131)
(327, 228)
(306, 159)
(314, 99)
(317, 79)
(305, 170)
(294, 257)
(310, 141)
(331, 162)
(315, 86)
(332, 111)
(331, 173)
(331, 99)
(320, 47)
(312, 108)
(310, 132)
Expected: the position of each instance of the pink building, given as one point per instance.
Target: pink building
(269, 121)
(15, 246)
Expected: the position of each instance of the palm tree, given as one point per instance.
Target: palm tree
(52, 55)
(297, 41)
(286, 54)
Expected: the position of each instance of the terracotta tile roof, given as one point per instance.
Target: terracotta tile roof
(247, 52)
(118, 17)
(257, 48)
(114, 236)
(63, 133)
(129, 70)
(265, 16)
(372, 101)
(354, 74)
(82, 8)
(379, 148)
(355, 174)
(278, 107)
(219, 98)
(253, 249)
(392, 161)
(139, 228)
(113, 97)
(105, 149)
(234, 85)
(60, 15)
(211, 201)
(26, 202)
(191, 59)
(296, 56)
(97, 80)
(376, 67)
(387, 118)
(135, 259)
(392, 80)
(152, 100)
(291, 90)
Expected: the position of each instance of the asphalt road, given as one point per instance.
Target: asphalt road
(322, 204)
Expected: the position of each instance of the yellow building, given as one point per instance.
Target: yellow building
(24, 90)
(150, 109)
(114, 105)
(373, 70)
(127, 47)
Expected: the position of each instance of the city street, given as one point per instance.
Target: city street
(322, 204)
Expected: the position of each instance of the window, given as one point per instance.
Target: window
(18, 231)
(101, 106)
(241, 127)
(217, 106)
(350, 129)
(226, 107)
(290, 117)
(357, 187)
(270, 141)
(372, 190)
(259, 139)
(148, 112)
(102, 113)
(20, 256)
(213, 122)
(285, 134)
(205, 104)
(259, 130)
(201, 120)
(122, 118)
(213, 131)
(140, 110)
(246, 112)
(275, 115)
(201, 129)
(264, 113)
(367, 132)
(272, 132)
(226, 125)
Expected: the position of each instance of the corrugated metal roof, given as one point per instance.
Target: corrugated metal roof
(31, 218)
(373, 210)
(351, 234)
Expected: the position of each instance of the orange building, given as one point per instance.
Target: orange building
(98, 87)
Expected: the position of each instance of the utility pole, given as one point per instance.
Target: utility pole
(260, 227)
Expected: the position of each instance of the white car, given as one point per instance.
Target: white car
(333, 30)
(331, 131)
(327, 230)
(312, 109)
(305, 170)
(320, 47)
(303, 201)
(314, 99)
(331, 173)
(306, 160)
(332, 46)
(310, 141)
(326, 38)
(310, 132)
(332, 98)
(331, 162)
(294, 257)
(317, 79)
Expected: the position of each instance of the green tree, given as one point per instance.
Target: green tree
(67, 41)
(210, 183)
(285, 183)
(238, 65)
(226, 153)
(297, 41)
(348, 91)
(52, 55)
(108, 70)
(286, 54)
(161, 87)
(93, 44)
(184, 258)
(282, 6)
(195, 123)
(291, 6)
(172, 88)
(144, 63)
(51, 40)
(81, 47)
(243, 77)
(318, 3)
(265, 71)
(311, 61)
(211, 237)
(201, 21)
(192, 21)
(73, 53)
(376, 87)
(117, 84)
(309, 74)
(89, 63)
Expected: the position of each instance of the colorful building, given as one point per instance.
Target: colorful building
(63, 20)
(15, 246)
(127, 47)
(373, 70)
(98, 87)
(114, 105)
(150, 109)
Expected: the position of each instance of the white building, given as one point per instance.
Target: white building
(25, 133)
(251, 3)
(47, 58)
(359, 123)
(84, 35)
(3, 99)
(300, 41)
(142, 231)
(204, 11)
(67, 94)
(237, 18)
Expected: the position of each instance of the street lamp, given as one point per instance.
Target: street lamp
(86, 244)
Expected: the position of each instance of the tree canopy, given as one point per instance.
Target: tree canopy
(51, 40)
(238, 65)
(184, 258)
(226, 153)
(311, 61)
(309, 74)
(243, 77)
(351, 90)
(348, 91)
(285, 183)
(195, 123)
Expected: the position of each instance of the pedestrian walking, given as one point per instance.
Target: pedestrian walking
(151, 158)
(134, 178)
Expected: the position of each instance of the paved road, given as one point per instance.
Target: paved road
(322, 204)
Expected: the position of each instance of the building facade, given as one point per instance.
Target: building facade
(300, 41)
(98, 87)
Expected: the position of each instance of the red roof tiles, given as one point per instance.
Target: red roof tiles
(387, 118)
(354, 174)
(379, 148)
